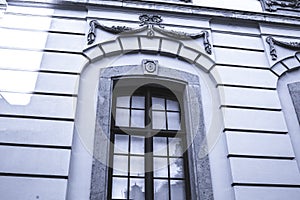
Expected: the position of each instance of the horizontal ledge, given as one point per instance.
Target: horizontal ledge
(37, 117)
(33, 175)
(260, 157)
(43, 50)
(239, 48)
(41, 71)
(42, 93)
(43, 31)
(254, 131)
(50, 16)
(242, 66)
(250, 108)
(247, 86)
(187, 9)
(257, 35)
(265, 185)
(35, 145)
(278, 35)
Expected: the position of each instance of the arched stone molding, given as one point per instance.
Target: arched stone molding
(286, 64)
(288, 70)
(160, 45)
(188, 52)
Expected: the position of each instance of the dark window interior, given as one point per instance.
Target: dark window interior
(148, 136)
(294, 89)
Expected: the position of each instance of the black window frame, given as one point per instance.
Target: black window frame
(149, 91)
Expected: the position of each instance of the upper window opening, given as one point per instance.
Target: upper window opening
(147, 157)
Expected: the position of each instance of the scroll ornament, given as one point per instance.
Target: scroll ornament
(289, 45)
(272, 5)
(150, 23)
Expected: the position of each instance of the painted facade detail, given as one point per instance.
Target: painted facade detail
(273, 5)
(150, 66)
(272, 41)
(150, 23)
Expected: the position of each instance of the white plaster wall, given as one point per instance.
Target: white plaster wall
(239, 96)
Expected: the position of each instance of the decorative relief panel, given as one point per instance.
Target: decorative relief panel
(151, 23)
(289, 45)
(274, 5)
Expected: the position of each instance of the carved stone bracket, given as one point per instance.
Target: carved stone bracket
(150, 23)
(273, 5)
(289, 45)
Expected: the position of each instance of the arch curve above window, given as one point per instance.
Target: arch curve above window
(177, 104)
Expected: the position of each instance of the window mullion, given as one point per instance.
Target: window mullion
(149, 189)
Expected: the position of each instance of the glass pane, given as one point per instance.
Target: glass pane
(137, 145)
(119, 188)
(160, 167)
(172, 105)
(160, 146)
(137, 189)
(122, 117)
(161, 190)
(175, 147)
(121, 143)
(137, 167)
(176, 168)
(177, 190)
(158, 103)
(173, 120)
(158, 120)
(120, 165)
(138, 118)
(138, 102)
(123, 101)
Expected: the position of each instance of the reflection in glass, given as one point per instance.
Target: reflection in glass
(137, 189)
(177, 190)
(158, 103)
(138, 118)
(175, 147)
(161, 190)
(158, 120)
(122, 117)
(121, 143)
(176, 168)
(173, 120)
(160, 167)
(172, 105)
(119, 188)
(160, 146)
(137, 145)
(120, 165)
(137, 166)
(123, 101)
(138, 102)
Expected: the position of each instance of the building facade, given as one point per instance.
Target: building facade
(152, 99)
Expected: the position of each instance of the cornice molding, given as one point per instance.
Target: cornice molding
(174, 8)
(151, 23)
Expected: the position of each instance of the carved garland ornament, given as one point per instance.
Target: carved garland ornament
(290, 45)
(272, 5)
(150, 23)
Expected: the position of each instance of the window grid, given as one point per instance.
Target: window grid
(148, 177)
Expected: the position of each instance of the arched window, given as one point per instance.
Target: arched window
(148, 142)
